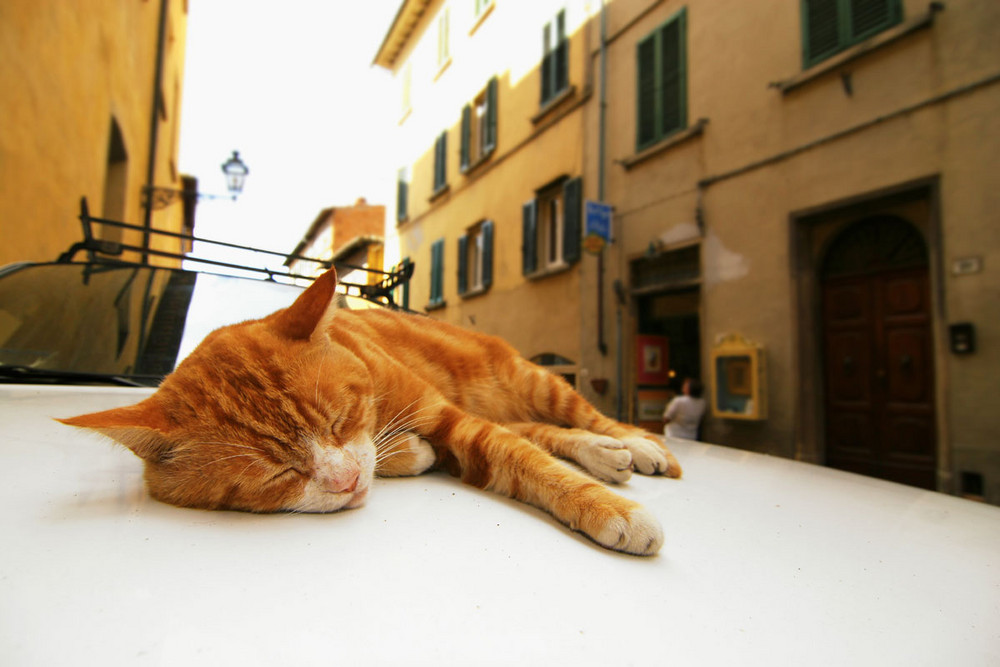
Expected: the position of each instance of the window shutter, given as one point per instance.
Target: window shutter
(546, 69)
(871, 16)
(437, 272)
(466, 135)
(402, 192)
(672, 75)
(487, 253)
(463, 264)
(444, 159)
(491, 116)
(406, 285)
(646, 92)
(529, 242)
(572, 219)
(560, 73)
(821, 29)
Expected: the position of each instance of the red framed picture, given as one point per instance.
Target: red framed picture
(652, 360)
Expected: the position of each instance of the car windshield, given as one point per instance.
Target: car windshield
(58, 321)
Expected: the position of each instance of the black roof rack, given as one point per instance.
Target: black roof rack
(109, 252)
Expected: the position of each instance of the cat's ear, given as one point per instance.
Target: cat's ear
(299, 320)
(141, 427)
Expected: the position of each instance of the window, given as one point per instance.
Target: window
(662, 86)
(479, 127)
(444, 45)
(475, 259)
(482, 6)
(441, 162)
(555, 58)
(551, 226)
(437, 274)
(402, 194)
(830, 26)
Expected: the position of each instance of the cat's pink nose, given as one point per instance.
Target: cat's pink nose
(342, 480)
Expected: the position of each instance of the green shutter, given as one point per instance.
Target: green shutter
(529, 239)
(441, 161)
(491, 116)
(466, 130)
(871, 16)
(572, 219)
(437, 272)
(646, 92)
(830, 26)
(661, 82)
(672, 75)
(487, 254)
(821, 29)
(402, 193)
(546, 69)
(406, 285)
(463, 264)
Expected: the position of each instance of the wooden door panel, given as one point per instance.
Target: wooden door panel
(850, 434)
(848, 367)
(908, 366)
(880, 376)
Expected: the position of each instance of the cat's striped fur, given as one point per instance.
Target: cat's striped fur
(298, 411)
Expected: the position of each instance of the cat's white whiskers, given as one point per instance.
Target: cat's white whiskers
(391, 422)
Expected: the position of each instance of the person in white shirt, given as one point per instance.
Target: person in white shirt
(683, 414)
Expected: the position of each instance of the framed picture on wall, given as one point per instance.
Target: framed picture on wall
(652, 360)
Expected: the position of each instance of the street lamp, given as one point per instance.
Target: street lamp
(236, 173)
(234, 169)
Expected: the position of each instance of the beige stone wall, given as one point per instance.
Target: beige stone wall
(921, 109)
(68, 70)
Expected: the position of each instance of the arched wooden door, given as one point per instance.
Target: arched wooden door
(878, 353)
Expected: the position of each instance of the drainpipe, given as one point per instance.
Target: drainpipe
(154, 128)
(601, 140)
(619, 291)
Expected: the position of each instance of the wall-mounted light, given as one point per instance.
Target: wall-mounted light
(234, 169)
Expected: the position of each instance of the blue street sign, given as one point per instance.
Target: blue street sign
(598, 220)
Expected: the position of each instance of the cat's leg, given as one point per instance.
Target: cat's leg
(602, 456)
(403, 456)
(489, 456)
(552, 399)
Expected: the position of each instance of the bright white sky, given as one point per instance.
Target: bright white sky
(289, 85)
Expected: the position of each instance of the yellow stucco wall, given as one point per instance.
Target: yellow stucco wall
(536, 316)
(69, 68)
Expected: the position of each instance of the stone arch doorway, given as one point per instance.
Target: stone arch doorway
(878, 358)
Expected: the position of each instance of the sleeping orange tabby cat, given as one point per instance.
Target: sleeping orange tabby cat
(300, 410)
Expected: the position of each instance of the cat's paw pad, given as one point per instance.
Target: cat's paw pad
(605, 458)
(637, 532)
(651, 458)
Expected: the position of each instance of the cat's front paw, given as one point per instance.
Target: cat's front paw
(605, 458)
(651, 458)
(406, 455)
(636, 532)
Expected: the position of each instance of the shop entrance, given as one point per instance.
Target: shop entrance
(669, 322)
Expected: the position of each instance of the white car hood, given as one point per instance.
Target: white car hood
(766, 561)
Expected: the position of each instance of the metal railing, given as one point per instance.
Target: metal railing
(380, 291)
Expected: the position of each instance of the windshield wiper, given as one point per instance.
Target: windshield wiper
(28, 374)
